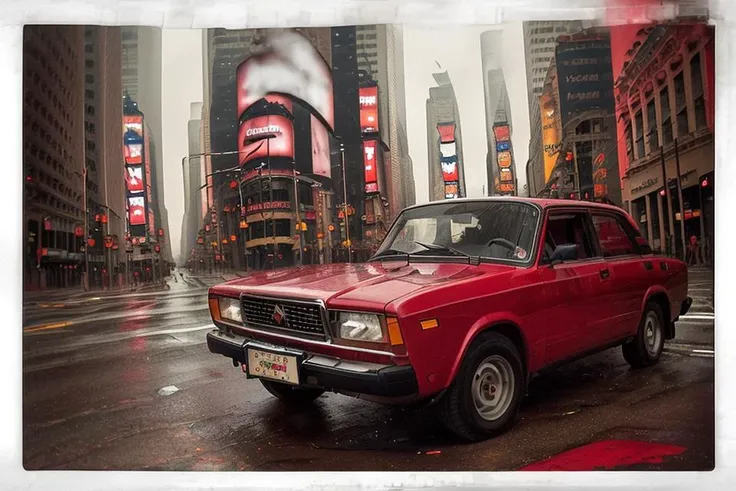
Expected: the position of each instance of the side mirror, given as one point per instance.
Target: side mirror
(564, 252)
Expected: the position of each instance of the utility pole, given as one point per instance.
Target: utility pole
(345, 204)
(86, 230)
(298, 217)
(679, 198)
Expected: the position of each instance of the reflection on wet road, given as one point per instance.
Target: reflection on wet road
(126, 382)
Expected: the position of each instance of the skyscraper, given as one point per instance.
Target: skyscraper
(191, 171)
(444, 142)
(53, 155)
(141, 69)
(498, 114)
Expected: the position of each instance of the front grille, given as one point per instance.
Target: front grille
(299, 317)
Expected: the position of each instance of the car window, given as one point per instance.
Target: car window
(568, 228)
(613, 239)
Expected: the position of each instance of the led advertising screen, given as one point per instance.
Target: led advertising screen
(449, 172)
(136, 210)
(271, 70)
(501, 133)
(451, 191)
(134, 178)
(370, 162)
(447, 132)
(584, 76)
(504, 160)
(276, 134)
(506, 175)
(368, 109)
(448, 150)
(133, 139)
(503, 146)
(321, 164)
(506, 187)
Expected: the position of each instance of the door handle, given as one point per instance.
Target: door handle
(604, 274)
(648, 266)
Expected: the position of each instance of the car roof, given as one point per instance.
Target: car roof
(541, 202)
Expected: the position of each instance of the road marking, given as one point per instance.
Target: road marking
(703, 316)
(703, 351)
(175, 331)
(44, 327)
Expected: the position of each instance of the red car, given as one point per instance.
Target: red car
(462, 303)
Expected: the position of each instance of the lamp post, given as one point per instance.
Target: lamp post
(345, 203)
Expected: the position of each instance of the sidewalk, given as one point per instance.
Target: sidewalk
(58, 294)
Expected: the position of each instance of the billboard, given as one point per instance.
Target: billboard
(451, 190)
(133, 139)
(136, 210)
(449, 171)
(271, 70)
(448, 150)
(504, 160)
(321, 164)
(503, 146)
(550, 131)
(370, 160)
(134, 178)
(584, 76)
(501, 133)
(447, 132)
(507, 175)
(278, 138)
(368, 97)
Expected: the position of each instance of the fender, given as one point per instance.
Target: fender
(653, 290)
(482, 324)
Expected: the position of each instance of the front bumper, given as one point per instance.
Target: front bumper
(330, 373)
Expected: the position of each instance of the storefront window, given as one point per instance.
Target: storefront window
(639, 213)
(655, 241)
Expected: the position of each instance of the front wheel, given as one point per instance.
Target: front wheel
(290, 394)
(647, 346)
(484, 398)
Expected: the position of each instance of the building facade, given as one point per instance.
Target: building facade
(191, 172)
(103, 108)
(53, 156)
(665, 104)
(141, 70)
(444, 142)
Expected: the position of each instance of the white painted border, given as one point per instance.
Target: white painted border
(259, 13)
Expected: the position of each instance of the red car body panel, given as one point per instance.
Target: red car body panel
(559, 312)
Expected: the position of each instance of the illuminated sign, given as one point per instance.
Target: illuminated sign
(501, 133)
(447, 132)
(368, 97)
(133, 139)
(506, 175)
(550, 132)
(370, 164)
(450, 172)
(275, 205)
(136, 211)
(448, 150)
(504, 160)
(451, 190)
(503, 146)
(279, 138)
(506, 188)
(134, 178)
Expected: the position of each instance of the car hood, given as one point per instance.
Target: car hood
(355, 286)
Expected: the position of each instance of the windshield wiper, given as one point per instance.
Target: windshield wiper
(439, 247)
(389, 253)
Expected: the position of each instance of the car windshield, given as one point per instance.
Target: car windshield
(496, 230)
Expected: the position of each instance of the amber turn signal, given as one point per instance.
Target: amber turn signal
(394, 333)
(429, 324)
(214, 308)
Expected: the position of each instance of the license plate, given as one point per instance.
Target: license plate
(271, 365)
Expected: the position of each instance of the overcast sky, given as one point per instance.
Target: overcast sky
(181, 83)
(456, 49)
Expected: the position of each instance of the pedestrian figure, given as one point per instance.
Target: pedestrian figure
(693, 252)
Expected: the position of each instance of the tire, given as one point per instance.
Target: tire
(490, 356)
(290, 394)
(646, 348)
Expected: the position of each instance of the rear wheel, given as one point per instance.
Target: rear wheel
(484, 398)
(646, 348)
(290, 394)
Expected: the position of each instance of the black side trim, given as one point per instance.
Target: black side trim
(685, 307)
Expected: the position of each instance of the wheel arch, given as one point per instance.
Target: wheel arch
(659, 297)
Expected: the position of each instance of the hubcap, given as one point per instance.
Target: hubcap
(493, 387)
(652, 334)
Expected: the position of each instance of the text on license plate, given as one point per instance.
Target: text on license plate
(273, 366)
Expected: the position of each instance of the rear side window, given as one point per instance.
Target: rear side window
(612, 237)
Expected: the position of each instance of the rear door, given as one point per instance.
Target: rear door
(631, 271)
(578, 290)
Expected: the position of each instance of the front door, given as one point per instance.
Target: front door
(578, 290)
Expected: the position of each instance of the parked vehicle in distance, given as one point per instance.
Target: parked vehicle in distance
(462, 303)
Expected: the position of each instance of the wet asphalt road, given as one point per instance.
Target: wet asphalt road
(94, 370)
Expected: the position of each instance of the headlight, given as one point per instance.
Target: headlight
(230, 309)
(360, 327)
